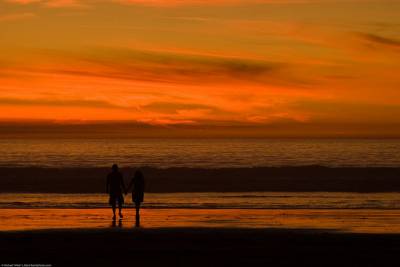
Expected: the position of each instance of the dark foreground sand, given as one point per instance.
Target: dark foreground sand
(198, 247)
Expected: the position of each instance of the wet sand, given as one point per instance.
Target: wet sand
(200, 237)
(198, 247)
(343, 220)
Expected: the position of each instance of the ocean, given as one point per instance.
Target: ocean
(211, 200)
(200, 153)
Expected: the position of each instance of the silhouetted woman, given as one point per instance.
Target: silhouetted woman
(137, 192)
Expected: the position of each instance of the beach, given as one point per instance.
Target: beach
(198, 247)
(339, 220)
(200, 237)
(201, 209)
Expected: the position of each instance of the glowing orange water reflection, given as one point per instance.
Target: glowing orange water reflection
(368, 221)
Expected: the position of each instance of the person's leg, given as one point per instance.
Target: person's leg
(137, 206)
(120, 211)
(120, 208)
(112, 203)
(113, 209)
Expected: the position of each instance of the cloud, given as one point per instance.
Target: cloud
(174, 108)
(158, 66)
(231, 2)
(24, 2)
(58, 103)
(54, 3)
(170, 3)
(151, 86)
(66, 3)
(380, 40)
(202, 2)
(348, 111)
(17, 16)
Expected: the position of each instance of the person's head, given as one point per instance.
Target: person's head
(114, 168)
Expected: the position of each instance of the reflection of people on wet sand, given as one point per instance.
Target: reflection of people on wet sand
(115, 187)
(114, 223)
(137, 192)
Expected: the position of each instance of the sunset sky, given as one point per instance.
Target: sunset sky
(242, 63)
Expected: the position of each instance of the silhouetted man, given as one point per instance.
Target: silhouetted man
(115, 187)
(137, 192)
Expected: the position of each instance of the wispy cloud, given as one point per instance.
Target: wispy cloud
(242, 62)
(172, 3)
(158, 66)
(24, 2)
(380, 40)
(148, 86)
(175, 107)
(204, 2)
(54, 3)
(58, 103)
(17, 16)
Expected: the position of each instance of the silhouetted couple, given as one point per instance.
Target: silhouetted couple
(116, 187)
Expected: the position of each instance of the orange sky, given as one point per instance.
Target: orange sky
(230, 62)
